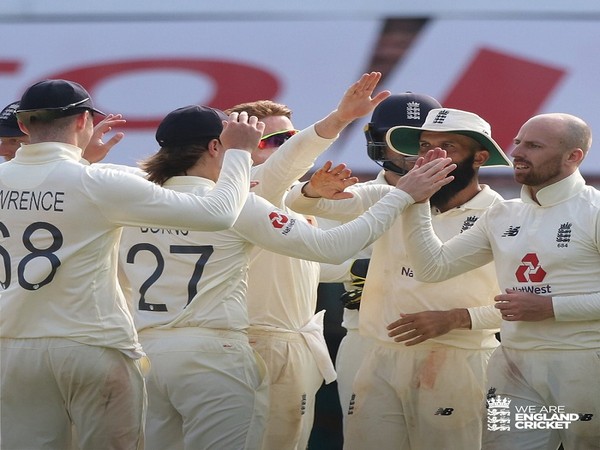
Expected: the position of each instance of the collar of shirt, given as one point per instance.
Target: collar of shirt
(45, 152)
(482, 201)
(556, 193)
(179, 182)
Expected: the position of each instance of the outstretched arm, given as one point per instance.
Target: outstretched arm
(356, 102)
(149, 204)
(336, 245)
(330, 183)
(297, 155)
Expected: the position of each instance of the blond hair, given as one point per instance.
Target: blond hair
(261, 109)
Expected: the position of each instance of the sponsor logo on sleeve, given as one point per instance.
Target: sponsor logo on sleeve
(282, 222)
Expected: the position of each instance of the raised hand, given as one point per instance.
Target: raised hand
(97, 149)
(242, 132)
(357, 101)
(330, 182)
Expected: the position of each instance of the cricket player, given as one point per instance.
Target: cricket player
(546, 249)
(410, 109)
(69, 353)
(426, 395)
(284, 327)
(187, 290)
(11, 136)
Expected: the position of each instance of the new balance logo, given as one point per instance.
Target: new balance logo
(441, 116)
(491, 393)
(468, 223)
(511, 232)
(444, 411)
(351, 404)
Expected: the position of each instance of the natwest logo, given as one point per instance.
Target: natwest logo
(278, 220)
(530, 269)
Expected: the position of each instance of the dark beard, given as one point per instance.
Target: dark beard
(463, 175)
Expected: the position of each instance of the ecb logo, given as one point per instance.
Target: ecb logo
(498, 414)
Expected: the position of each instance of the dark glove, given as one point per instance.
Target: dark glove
(351, 299)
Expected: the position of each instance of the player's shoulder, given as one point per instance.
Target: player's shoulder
(114, 172)
(115, 185)
(591, 195)
(488, 197)
(120, 168)
(503, 208)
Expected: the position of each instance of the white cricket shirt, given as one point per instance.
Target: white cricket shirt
(282, 291)
(60, 222)
(551, 248)
(177, 278)
(391, 287)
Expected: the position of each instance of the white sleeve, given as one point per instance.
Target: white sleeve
(339, 273)
(436, 261)
(121, 167)
(577, 307)
(233, 185)
(570, 308)
(130, 200)
(336, 273)
(291, 161)
(280, 232)
(344, 210)
(485, 317)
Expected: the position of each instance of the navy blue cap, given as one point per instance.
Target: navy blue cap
(8, 121)
(190, 125)
(58, 98)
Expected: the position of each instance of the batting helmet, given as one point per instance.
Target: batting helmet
(407, 109)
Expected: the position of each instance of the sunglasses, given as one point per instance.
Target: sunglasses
(276, 139)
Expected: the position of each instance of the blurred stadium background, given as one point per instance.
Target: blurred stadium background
(505, 61)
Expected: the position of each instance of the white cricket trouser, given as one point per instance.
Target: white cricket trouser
(424, 397)
(546, 390)
(350, 355)
(295, 380)
(207, 389)
(48, 384)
